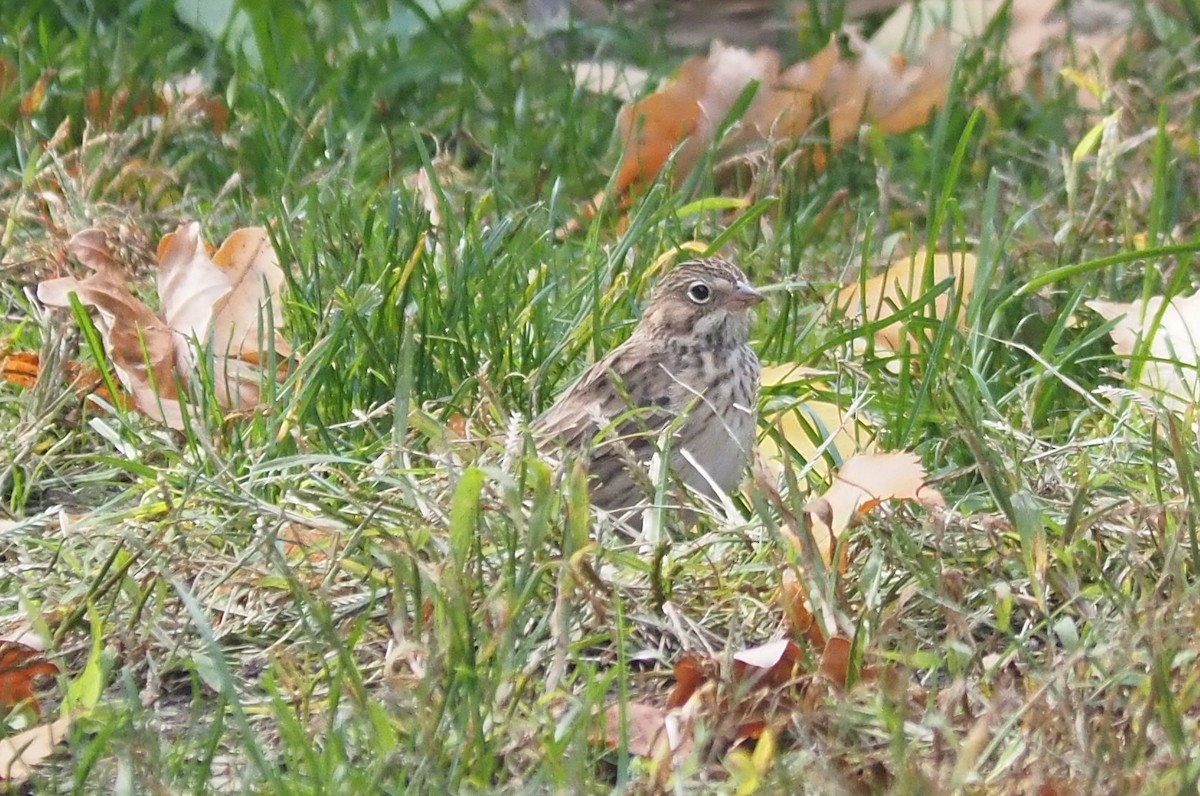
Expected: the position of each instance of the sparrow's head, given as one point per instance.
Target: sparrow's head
(705, 298)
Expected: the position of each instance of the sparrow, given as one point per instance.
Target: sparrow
(684, 385)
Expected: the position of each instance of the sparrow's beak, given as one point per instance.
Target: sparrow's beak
(744, 296)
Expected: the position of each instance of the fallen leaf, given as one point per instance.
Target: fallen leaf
(21, 369)
(687, 111)
(1170, 336)
(773, 664)
(863, 483)
(611, 78)
(794, 599)
(33, 99)
(221, 316)
(139, 345)
(23, 752)
(689, 676)
(24, 368)
(644, 727)
(811, 431)
(685, 115)
(835, 660)
(904, 281)
(22, 660)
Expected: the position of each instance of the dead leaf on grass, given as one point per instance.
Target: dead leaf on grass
(687, 112)
(1173, 351)
(22, 661)
(644, 727)
(221, 316)
(904, 281)
(809, 429)
(862, 484)
(23, 752)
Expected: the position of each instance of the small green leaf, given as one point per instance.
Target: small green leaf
(464, 513)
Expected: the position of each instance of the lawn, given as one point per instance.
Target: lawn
(372, 584)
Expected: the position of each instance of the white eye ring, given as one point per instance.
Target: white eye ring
(699, 292)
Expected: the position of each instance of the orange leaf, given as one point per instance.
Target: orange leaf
(21, 369)
(36, 95)
(689, 675)
(689, 110)
(20, 665)
(795, 609)
(835, 660)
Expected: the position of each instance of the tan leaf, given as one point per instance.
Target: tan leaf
(810, 428)
(662, 736)
(225, 306)
(863, 483)
(23, 752)
(246, 319)
(1173, 352)
(611, 78)
(924, 88)
(900, 285)
(139, 345)
(788, 110)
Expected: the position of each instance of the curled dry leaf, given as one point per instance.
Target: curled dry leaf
(1170, 335)
(219, 315)
(23, 752)
(139, 344)
(902, 284)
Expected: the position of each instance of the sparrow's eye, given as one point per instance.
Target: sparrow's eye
(699, 293)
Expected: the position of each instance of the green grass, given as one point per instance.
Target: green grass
(447, 622)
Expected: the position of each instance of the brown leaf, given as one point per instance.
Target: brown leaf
(140, 346)
(794, 599)
(21, 753)
(835, 660)
(645, 728)
(210, 305)
(689, 676)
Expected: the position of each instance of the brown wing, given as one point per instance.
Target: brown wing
(615, 413)
(630, 386)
